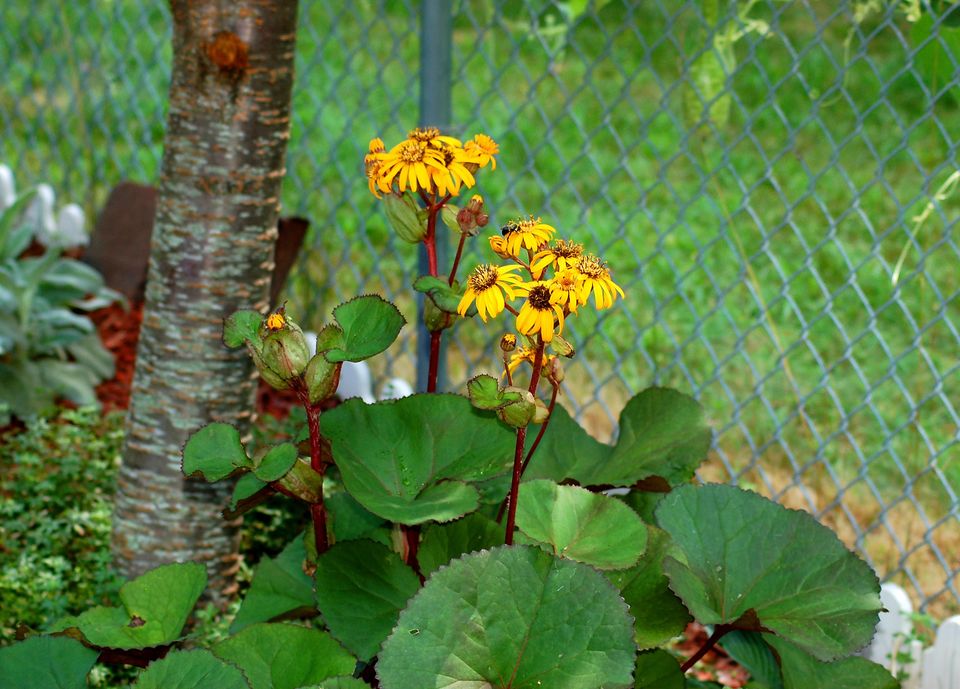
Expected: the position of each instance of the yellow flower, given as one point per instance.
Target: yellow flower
(528, 234)
(487, 285)
(409, 161)
(538, 312)
(565, 289)
(276, 321)
(371, 164)
(455, 172)
(596, 279)
(561, 255)
(432, 137)
(483, 148)
(528, 354)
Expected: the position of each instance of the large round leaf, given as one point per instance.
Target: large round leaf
(516, 617)
(738, 553)
(803, 671)
(409, 460)
(443, 542)
(580, 525)
(663, 433)
(155, 608)
(214, 452)
(285, 656)
(279, 586)
(198, 669)
(361, 588)
(51, 662)
(657, 612)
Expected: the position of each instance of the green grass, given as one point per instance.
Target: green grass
(756, 253)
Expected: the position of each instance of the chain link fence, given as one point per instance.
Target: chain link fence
(773, 184)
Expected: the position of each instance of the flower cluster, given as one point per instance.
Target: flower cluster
(561, 279)
(429, 162)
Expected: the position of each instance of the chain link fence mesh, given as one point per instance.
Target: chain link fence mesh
(773, 184)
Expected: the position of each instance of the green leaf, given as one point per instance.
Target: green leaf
(197, 669)
(738, 553)
(445, 296)
(284, 656)
(444, 542)
(214, 452)
(276, 462)
(340, 683)
(662, 433)
(657, 612)
(279, 586)
(412, 460)
(752, 652)
(247, 486)
(566, 452)
(370, 324)
(156, 605)
(658, 670)
(361, 588)
(50, 662)
(484, 392)
(241, 326)
(349, 520)
(580, 525)
(802, 671)
(512, 616)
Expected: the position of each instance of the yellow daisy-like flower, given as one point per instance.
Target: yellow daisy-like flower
(455, 172)
(433, 137)
(487, 285)
(562, 255)
(372, 163)
(596, 279)
(409, 162)
(565, 289)
(276, 321)
(499, 246)
(539, 312)
(483, 148)
(528, 234)
(528, 355)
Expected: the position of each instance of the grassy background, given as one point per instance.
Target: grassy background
(756, 249)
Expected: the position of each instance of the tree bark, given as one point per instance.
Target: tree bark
(211, 254)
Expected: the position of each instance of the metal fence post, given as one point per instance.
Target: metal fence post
(436, 29)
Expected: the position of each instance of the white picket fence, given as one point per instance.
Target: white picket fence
(896, 647)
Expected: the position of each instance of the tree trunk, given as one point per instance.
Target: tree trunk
(211, 254)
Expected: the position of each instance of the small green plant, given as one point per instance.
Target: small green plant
(48, 348)
(56, 487)
(446, 546)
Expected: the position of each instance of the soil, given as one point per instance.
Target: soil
(119, 329)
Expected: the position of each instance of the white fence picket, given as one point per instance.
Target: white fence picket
(941, 662)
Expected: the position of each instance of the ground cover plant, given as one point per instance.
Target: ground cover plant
(470, 538)
(685, 208)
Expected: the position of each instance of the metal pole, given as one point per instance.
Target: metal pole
(436, 33)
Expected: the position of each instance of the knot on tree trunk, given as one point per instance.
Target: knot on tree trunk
(228, 52)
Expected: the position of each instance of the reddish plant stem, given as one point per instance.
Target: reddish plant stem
(518, 452)
(543, 428)
(318, 512)
(434, 360)
(515, 486)
(718, 632)
(411, 539)
(431, 239)
(456, 260)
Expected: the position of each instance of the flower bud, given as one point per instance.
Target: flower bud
(283, 352)
(467, 222)
(403, 217)
(508, 342)
(553, 370)
(435, 318)
(518, 413)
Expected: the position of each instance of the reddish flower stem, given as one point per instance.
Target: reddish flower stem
(543, 428)
(456, 260)
(718, 632)
(518, 452)
(317, 511)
